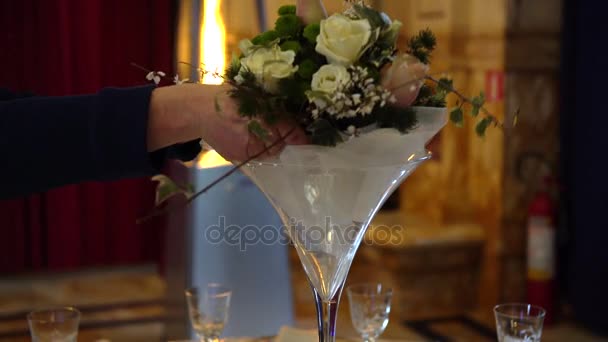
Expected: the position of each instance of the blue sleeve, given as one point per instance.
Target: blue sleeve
(48, 142)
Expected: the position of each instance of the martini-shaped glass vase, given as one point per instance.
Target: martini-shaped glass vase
(327, 197)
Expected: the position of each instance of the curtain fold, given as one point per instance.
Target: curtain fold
(65, 47)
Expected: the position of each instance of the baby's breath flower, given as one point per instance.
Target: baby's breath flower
(155, 76)
(358, 96)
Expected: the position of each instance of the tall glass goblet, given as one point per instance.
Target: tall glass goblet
(208, 310)
(327, 197)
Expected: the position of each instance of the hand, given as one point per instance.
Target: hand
(187, 112)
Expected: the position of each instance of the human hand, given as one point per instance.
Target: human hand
(186, 112)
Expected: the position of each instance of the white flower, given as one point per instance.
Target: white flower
(268, 64)
(155, 76)
(246, 46)
(330, 78)
(343, 40)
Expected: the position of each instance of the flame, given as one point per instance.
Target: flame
(213, 44)
(213, 60)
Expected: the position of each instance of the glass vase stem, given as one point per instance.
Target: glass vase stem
(327, 313)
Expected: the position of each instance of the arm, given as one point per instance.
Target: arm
(118, 133)
(52, 141)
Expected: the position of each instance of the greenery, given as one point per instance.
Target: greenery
(403, 119)
(311, 32)
(324, 133)
(434, 94)
(422, 45)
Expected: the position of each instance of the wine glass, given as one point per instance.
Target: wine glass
(208, 310)
(517, 322)
(54, 325)
(370, 305)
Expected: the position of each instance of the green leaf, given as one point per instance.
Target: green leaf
(233, 69)
(288, 26)
(270, 117)
(167, 188)
(256, 128)
(265, 38)
(324, 133)
(374, 73)
(293, 90)
(402, 119)
(287, 9)
(311, 32)
(474, 111)
(291, 45)
(457, 116)
(482, 126)
(477, 103)
(445, 84)
(248, 77)
(307, 68)
(248, 105)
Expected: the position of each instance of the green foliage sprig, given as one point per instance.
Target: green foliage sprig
(422, 45)
(475, 104)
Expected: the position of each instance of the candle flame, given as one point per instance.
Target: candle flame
(213, 44)
(213, 61)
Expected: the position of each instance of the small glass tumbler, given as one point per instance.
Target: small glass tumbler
(370, 305)
(208, 310)
(54, 325)
(517, 322)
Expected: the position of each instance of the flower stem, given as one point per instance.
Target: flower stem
(162, 211)
(464, 98)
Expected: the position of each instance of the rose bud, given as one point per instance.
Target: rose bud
(310, 11)
(404, 77)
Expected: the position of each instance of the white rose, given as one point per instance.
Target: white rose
(269, 65)
(343, 40)
(246, 46)
(330, 78)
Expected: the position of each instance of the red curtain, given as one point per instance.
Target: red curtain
(61, 47)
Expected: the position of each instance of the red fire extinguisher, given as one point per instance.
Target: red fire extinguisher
(541, 251)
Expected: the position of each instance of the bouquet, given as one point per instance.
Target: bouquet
(337, 77)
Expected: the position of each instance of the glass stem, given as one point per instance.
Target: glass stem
(327, 313)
